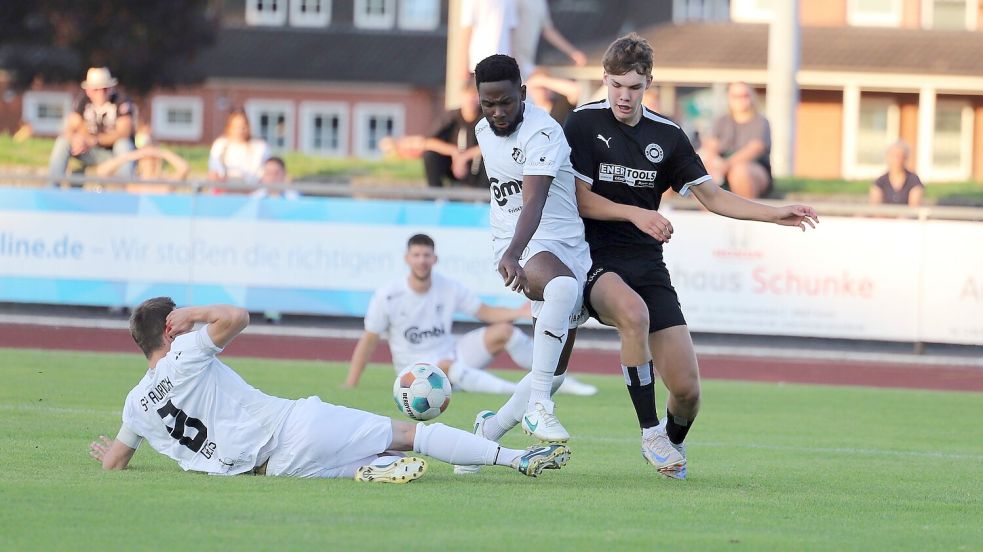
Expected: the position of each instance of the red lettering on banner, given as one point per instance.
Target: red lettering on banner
(971, 290)
(791, 283)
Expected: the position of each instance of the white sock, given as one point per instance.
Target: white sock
(472, 351)
(519, 348)
(559, 297)
(455, 446)
(511, 412)
(478, 381)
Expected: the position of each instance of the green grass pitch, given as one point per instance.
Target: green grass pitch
(775, 467)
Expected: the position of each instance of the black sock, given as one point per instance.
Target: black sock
(677, 427)
(641, 389)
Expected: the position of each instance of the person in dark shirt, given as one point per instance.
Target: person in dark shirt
(450, 152)
(738, 150)
(99, 127)
(898, 186)
(625, 157)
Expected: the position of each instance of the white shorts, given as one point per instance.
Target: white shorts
(575, 256)
(463, 345)
(319, 439)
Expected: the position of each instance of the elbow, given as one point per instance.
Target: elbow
(241, 317)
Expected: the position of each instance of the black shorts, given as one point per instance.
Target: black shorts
(647, 275)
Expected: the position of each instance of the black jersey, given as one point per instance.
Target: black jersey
(629, 165)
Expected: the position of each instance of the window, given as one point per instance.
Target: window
(949, 14)
(752, 11)
(877, 128)
(46, 111)
(419, 15)
(310, 13)
(874, 13)
(266, 12)
(273, 121)
(373, 123)
(177, 117)
(324, 128)
(375, 14)
(699, 10)
(952, 140)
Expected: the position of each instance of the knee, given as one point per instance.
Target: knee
(632, 318)
(561, 288)
(497, 335)
(123, 145)
(688, 393)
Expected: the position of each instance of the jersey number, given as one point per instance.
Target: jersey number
(182, 421)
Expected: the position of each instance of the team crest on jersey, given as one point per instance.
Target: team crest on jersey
(653, 152)
(518, 156)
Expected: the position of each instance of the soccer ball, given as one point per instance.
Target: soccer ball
(422, 391)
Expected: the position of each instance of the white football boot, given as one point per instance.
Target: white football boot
(543, 425)
(550, 456)
(660, 452)
(392, 469)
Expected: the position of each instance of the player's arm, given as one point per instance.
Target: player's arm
(535, 188)
(225, 322)
(360, 357)
(725, 203)
(115, 454)
(598, 207)
(553, 36)
(491, 315)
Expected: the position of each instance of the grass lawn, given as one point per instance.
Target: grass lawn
(33, 153)
(771, 467)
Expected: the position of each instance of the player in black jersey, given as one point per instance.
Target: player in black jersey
(624, 157)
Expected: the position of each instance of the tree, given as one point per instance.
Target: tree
(145, 43)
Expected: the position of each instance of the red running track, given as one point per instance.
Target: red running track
(840, 372)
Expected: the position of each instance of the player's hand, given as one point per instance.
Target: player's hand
(512, 274)
(98, 450)
(796, 215)
(579, 58)
(653, 224)
(179, 321)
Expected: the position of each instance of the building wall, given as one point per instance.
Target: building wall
(908, 125)
(819, 135)
(822, 13)
(978, 140)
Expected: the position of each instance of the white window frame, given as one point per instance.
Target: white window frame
(299, 18)
(964, 172)
(748, 11)
(266, 17)
(29, 110)
(254, 108)
(307, 112)
(419, 25)
(362, 113)
(164, 130)
(972, 14)
(858, 170)
(859, 18)
(365, 21)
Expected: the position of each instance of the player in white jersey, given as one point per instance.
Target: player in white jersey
(538, 236)
(417, 312)
(197, 411)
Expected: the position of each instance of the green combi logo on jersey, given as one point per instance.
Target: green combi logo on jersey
(653, 152)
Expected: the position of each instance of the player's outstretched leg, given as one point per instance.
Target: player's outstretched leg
(479, 430)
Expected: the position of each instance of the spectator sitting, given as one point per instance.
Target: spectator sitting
(898, 186)
(236, 155)
(275, 172)
(99, 127)
(150, 165)
(556, 96)
(451, 150)
(534, 21)
(737, 152)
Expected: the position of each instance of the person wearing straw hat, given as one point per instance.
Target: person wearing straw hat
(99, 127)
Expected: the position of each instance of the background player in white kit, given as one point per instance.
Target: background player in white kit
(197, 411)
(418, 310)
(537, 235)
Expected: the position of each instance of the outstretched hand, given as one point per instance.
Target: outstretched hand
(797, 215)
(512, 274)
(98, 450)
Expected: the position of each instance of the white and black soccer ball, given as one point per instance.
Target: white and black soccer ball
(422, 391)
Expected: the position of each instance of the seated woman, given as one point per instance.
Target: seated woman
(738, 151)
(236, 155)
(149, 165)
(898, 186)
